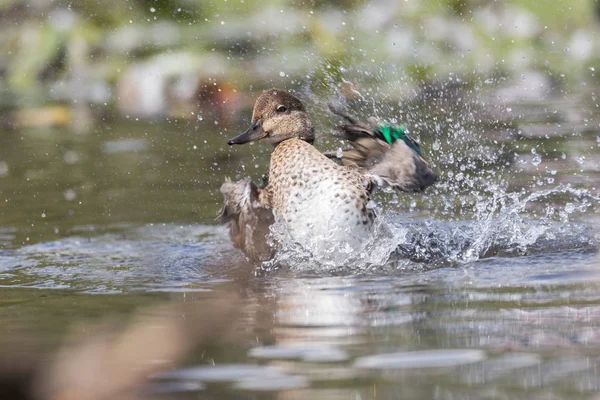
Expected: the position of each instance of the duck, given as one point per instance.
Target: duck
(320, 200)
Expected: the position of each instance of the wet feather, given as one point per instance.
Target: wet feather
(247, 210)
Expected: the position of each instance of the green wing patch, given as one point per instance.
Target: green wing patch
(391, 133)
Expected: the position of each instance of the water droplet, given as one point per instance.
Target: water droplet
(592, 69)
(339, 152)
(43, 215)
(200, 117)
(71, 157)
(536, 160)
(69, 194)
(152, 9)
(3, 168)
(436, 145)
(569, 208)
(282, 74)
(580, 160)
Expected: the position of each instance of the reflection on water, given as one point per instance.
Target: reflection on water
(489, 291)
(394, 335)
(351, 336)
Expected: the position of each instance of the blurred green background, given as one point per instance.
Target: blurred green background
(155, 58)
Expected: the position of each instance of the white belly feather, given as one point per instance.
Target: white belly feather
(325, 220)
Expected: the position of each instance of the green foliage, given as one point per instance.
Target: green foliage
(321, 41)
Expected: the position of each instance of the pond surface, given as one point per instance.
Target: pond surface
(490, 290)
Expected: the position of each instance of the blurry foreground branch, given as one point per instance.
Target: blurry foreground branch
(114, 363)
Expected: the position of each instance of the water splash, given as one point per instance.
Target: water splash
(375, 253)
(500, 227)
(483, 206)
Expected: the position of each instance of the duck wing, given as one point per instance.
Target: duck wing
(391, 157)
(246, 209)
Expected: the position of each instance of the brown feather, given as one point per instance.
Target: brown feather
(395, 165)
(247, 210)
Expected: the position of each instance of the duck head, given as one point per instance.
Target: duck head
(277, 116)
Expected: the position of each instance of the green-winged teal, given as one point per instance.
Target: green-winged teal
(320, 199)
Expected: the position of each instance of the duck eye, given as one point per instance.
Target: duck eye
(281, 108)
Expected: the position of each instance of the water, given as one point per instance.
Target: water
(487, 287)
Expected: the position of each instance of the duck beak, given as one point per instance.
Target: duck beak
(255, 132)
